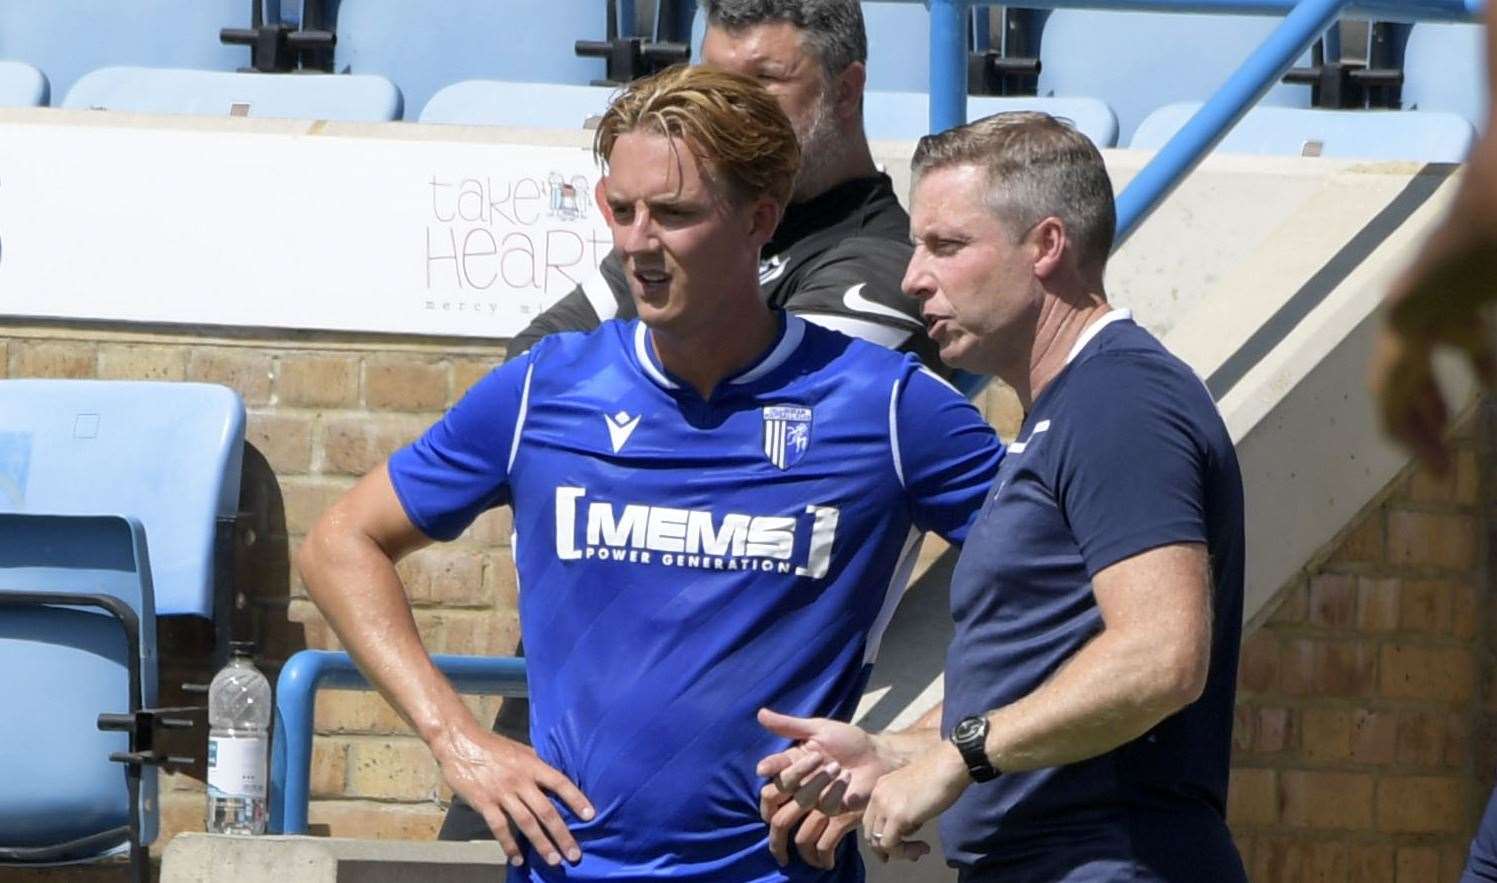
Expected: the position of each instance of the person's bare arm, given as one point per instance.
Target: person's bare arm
(1150, 660)
(348, 565)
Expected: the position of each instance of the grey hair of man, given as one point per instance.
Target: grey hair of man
(833, 29)
(1037, 166)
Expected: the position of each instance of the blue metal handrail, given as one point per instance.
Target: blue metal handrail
(296, 693)
(1305, 21)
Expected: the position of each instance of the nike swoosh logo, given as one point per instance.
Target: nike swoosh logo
(854, 300)
(620, 427)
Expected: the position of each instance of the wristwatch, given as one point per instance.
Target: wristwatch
(970, 737)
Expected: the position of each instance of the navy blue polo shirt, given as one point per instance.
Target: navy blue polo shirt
(1124, 451)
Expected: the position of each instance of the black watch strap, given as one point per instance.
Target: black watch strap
(970, 737)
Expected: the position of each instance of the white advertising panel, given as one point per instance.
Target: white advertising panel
(270, 229)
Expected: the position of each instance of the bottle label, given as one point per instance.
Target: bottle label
(236, 766)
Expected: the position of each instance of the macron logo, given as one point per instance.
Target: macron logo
(620, 427)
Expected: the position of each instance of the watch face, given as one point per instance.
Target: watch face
(966, 729)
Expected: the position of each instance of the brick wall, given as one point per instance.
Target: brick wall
(1362, 746)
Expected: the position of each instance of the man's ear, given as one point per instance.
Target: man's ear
(1050, 240)
(600, 197)
(848, 91)
(764, 218)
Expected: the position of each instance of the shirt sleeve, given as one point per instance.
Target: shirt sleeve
(945, 453)
(1481, 862)
(459, 468)
(1132, 462)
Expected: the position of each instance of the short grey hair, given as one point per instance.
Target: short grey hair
(1037, 166)
(833, 29)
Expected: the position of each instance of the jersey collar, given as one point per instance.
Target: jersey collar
(1091, 331)
(792, 332)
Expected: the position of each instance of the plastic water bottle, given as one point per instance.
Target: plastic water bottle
(239, 708)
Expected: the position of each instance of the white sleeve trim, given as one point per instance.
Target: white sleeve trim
(514, 445)
(894, 433)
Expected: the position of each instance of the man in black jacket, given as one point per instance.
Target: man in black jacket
(836, 259)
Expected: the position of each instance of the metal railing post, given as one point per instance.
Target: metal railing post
(948, 64)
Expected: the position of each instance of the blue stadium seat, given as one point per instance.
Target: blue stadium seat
(1138, 62)
(1350, 134)
(91, 474)
(66, 38)
(906, 115)
(166, 454)
(423, 48)
(527, 105)
(214, 93)
(22, 85)
(1443, 69)
(64, 800)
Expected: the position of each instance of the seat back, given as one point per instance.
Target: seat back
(1137, 62)
(366, 98)
(1348, 134)
(22, 85)
(906, 115)
(66, 38)
(64, 667)
(527, 105)
(166, 454)
(423, 49)
(1444, 69)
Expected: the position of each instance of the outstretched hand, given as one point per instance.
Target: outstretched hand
(507, 784)
(833, 767)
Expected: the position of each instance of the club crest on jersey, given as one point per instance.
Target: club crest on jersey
(787, 434)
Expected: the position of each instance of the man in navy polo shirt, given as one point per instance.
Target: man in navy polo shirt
(716, 508)
(1086, 727)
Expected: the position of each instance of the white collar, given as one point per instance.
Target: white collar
(1092, 330)
(790, 340)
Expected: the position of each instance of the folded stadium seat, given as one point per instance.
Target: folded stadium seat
(92, 475)
(1443, 69)
(1417, 136)
(422, 50)
(364, 98)
(906, 115)
(64, 799)
(527, 105)
(1137, 62)
(22, 85)
(66, 38)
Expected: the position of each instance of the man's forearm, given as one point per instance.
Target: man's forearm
(1113, 690)
(354, 583)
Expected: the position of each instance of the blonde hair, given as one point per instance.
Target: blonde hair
(728, 121)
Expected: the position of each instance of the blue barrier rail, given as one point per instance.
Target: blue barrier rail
(1305, 21)
(295, 700)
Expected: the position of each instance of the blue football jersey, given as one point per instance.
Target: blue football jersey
(684, 561)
